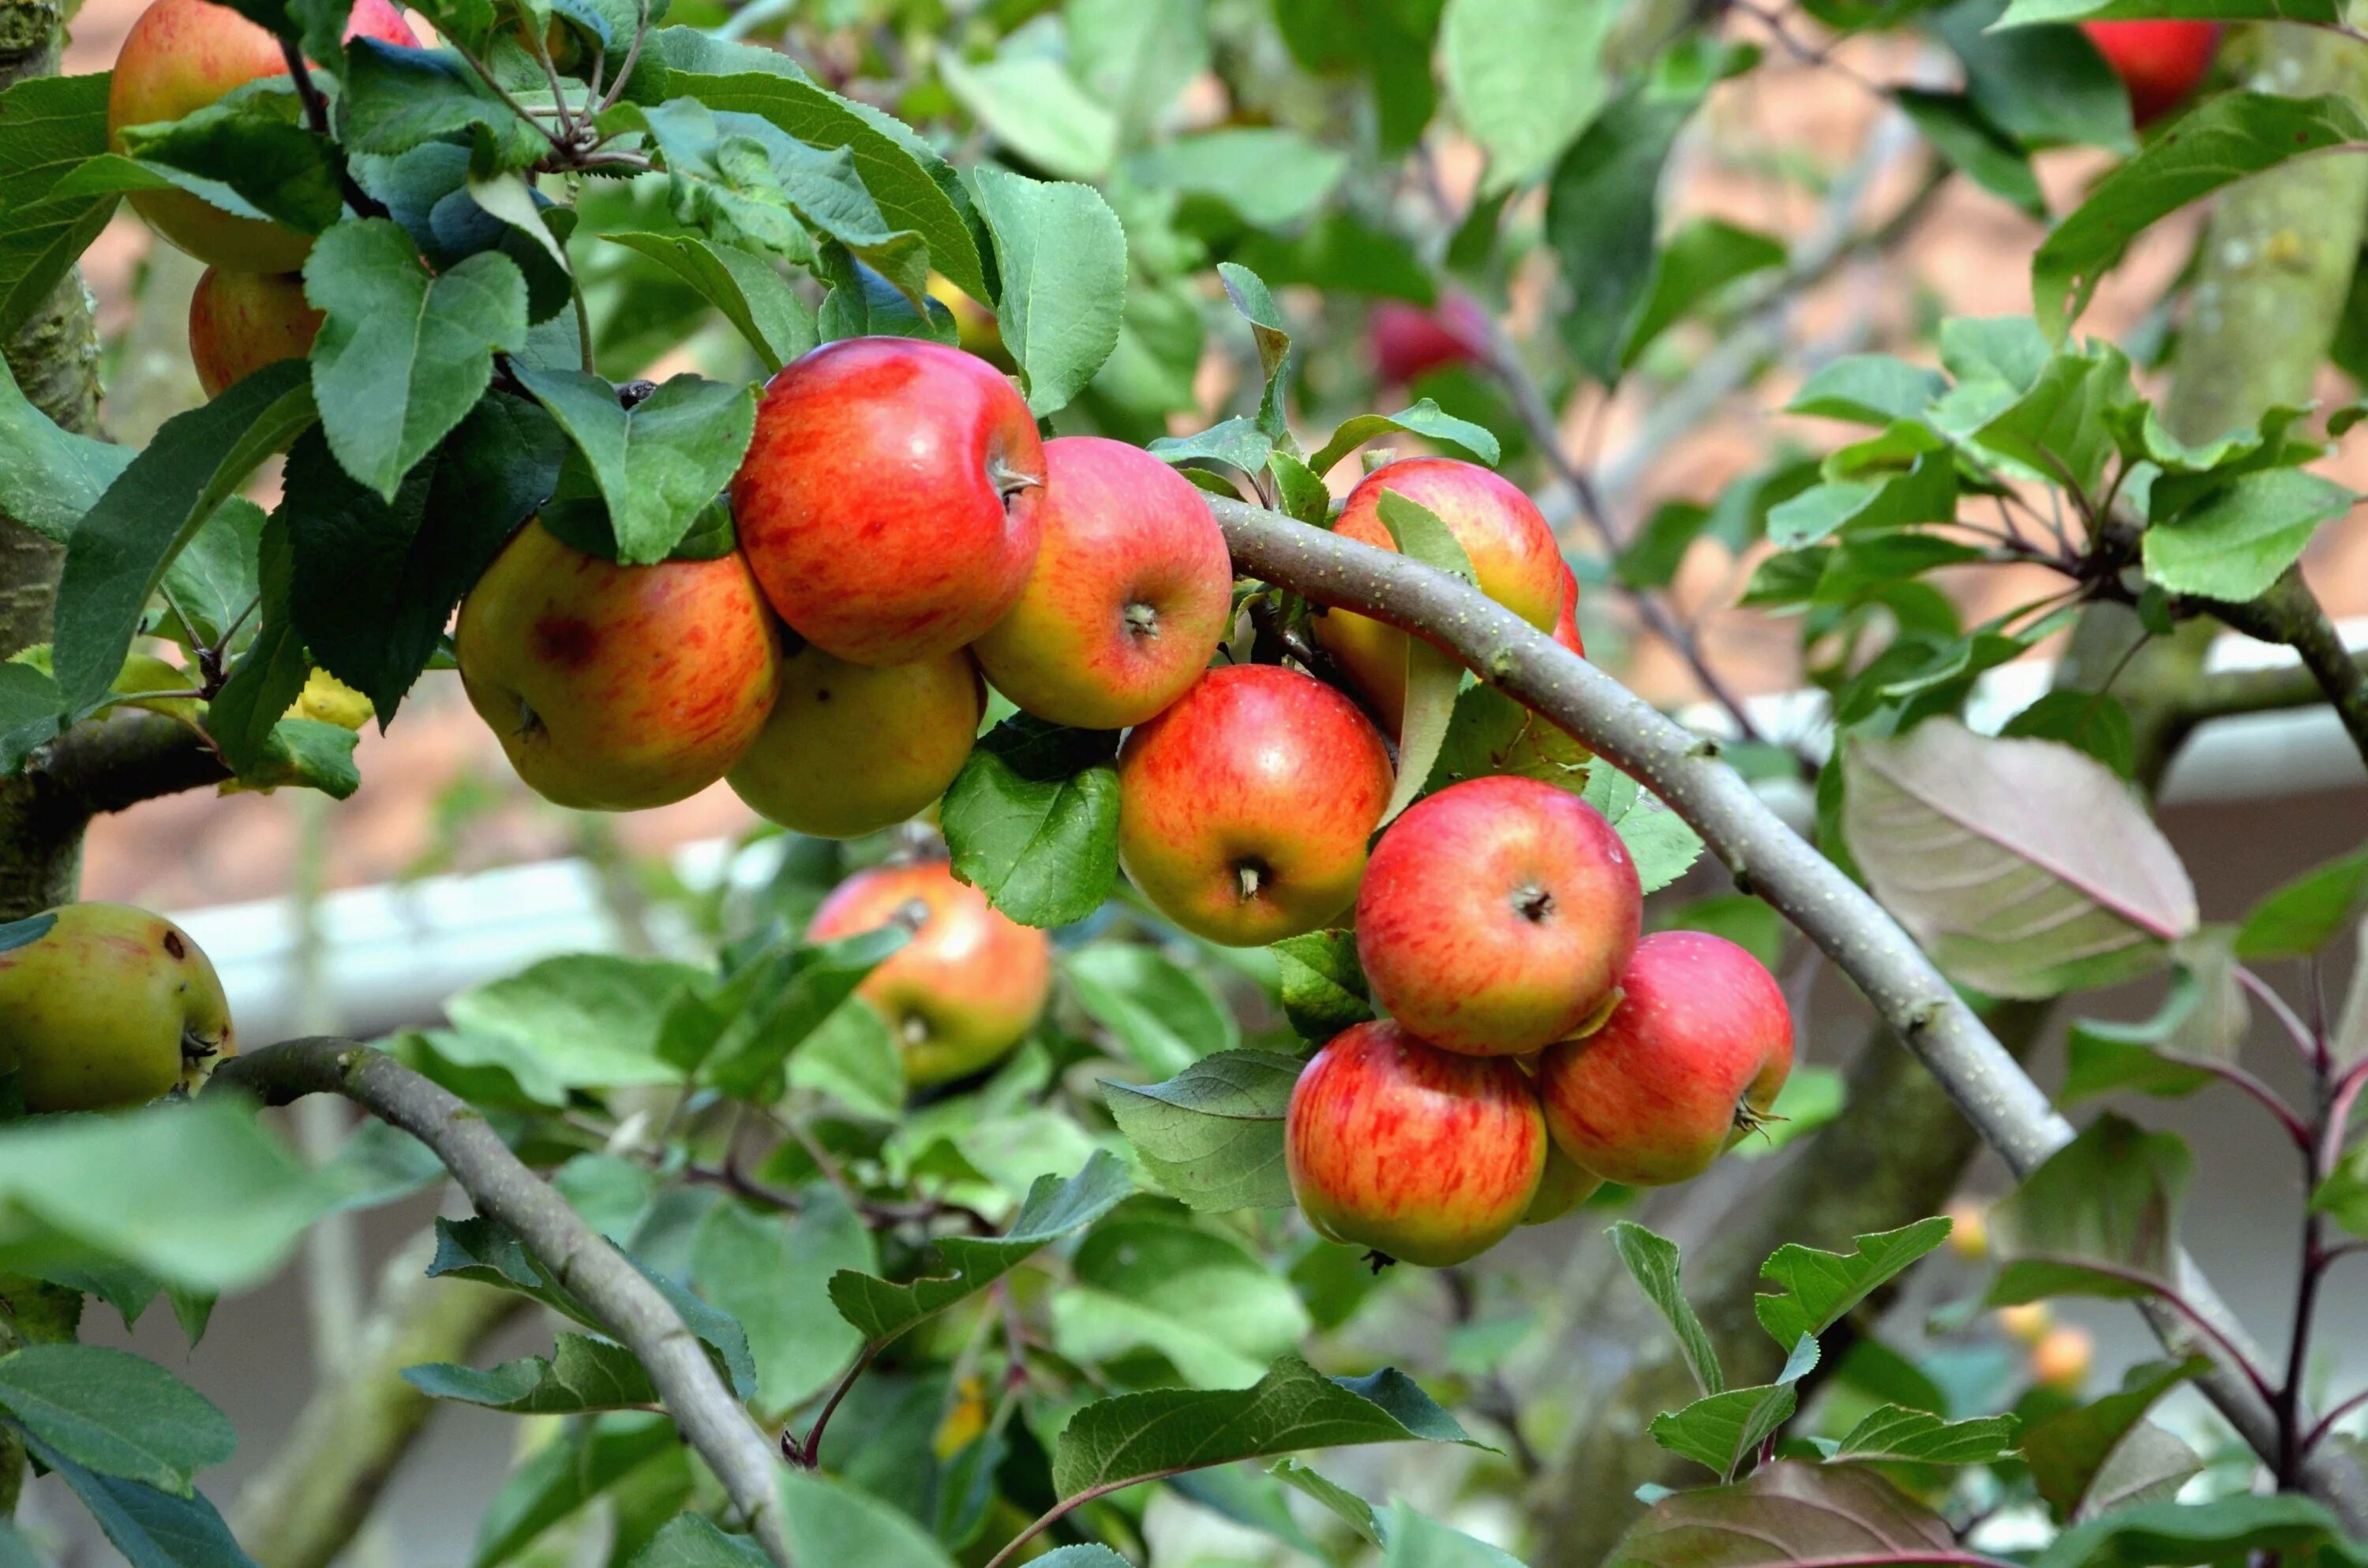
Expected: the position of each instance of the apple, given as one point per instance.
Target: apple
(107, 1006)
(181, 55)
(889, 501)
(2027, 1322)
(1423, 1155)
(975, 329)
(616, 688)
(1513, 555)
(240, 322)
(1131, 593)
(1496, 915)
(1565, 625)
(1407, 339)
(2062, 1357)
(966, 989)
(1686, 1064)
(2160, 62)
(1244, 808)
(1562, 1188)
(1969, 1228)
(850, 749)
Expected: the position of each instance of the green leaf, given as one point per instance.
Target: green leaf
(1658, 840)
(198, 1196)
(583, 1374)
(1135, 56)
(121, 549)
(1349, 1508)
(115, 1413)
(1786, 1512)
(1211, 1136)
(1601, 214)
(2224, 139)
(1525, 77)
(252, 146)
(2228, 1529)
(1115, 1442)
(659, 464)
(771, 1273)
(1922, 1438)
(1036, 110)
(2343, 1196)
(2103, 1059)
(245, 712)
(2092, 721)
(1490, 733)
(1061, 256)
(1868, 389)
(1417, 1540)
(1268, 177)
(2068, 1451)
(151, 1529)
(1699, 260)
(788, 1000)
(565, 1474)
(828, 1520)
(2239, 539)
(756, 299)
(580, 1021)
(1238, 442)
(2031, 13)
(308, 754)
(1205, 1303)
(1423, 419)
(1815, 1289)
(1323, 985)
(1721, 1431)
(49, 127)
(1653, 1262)
(2100, 1218)
(1958, 129)
(397, 98)
(2024, 868)
(1032, 820)
(2041, 86)
(1054, 1209)
(1256, 302)
(50, 477)
(2062, 430)
(692, 1540)
(1165, 1016)
(1433, 675)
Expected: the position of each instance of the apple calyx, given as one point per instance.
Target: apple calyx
(1532, 903)
(1250, 874)
(1142, 620)
(1749, 1118)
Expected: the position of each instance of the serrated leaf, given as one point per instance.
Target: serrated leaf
(1238, 442)
(692, 1540)
(1061, 257)
(2025, 868)
(1211, 1136)
(1164, 1015)
(1658, 840)
(1815, 1289)
(659, 464)
(565, 1474)
(2228, 1529)
(1868, 389)
(1256, 302)
(881, 1311)
(1424, 419)
(1526, 76)
(49, 127)
(2100, 1218)
(1035, 108)
(756, 299)
(1653, 1262)
(1891, 1432)
(1323, 985)
(1032, 820)
(151, 1529)
(771, 1273)
(2238, 541)
(115, 1413)
(1721, 1431)
(581, 1374)
(2300, 916)
(1786, 1512)
(1345, 1504)
(1205, 1303)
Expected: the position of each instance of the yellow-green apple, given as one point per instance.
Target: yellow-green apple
(2061, 1358)
(975, 329)
(616, 688)
(1562, 1188)
(970, 984)
(240, 322)
(105, 1006)
(2159, 59)
(1686, 1064)
(1244, 808)
(889, 500)
(1496, 915)
(1513, 554)
(850, 749)
(1423, 1155)
(1130, 592)
(181, 55)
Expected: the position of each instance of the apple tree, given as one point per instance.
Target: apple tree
(1229, 964)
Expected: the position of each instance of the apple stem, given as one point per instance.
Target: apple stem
(1009, 481)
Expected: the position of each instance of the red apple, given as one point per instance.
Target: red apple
(1421, 1155)
(1687, 1062)
(850, 749)
(1130, 595)
(970, 984)
(889, 501)
(1513, 552)
(184, 54)
(2159, 61)
(1408, 339)
(240, 322)
(1244, 808)
(1565, 625)
(616, 688)
(1496, 915)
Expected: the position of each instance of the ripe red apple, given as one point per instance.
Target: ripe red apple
(1688, 1061)
(1496, 915)
(2159, 61)
(1513, 556)
(970, 984)
(1408, 339)
(616, 688)
(182, 55)
(1419, 1153)
(1244, 808)
(889, 501)
(850, 749)
(1130, 595)
(240, 322)
(1565, 625)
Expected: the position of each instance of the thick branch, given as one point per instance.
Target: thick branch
(2291, 614)
(1766, 857)
(712, 1420)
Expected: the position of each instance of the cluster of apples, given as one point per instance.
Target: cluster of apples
(180, 56)
(1537, 1046)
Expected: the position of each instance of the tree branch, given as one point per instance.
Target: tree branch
(2290, 614)
(580, 1261)
(2010, 1111)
